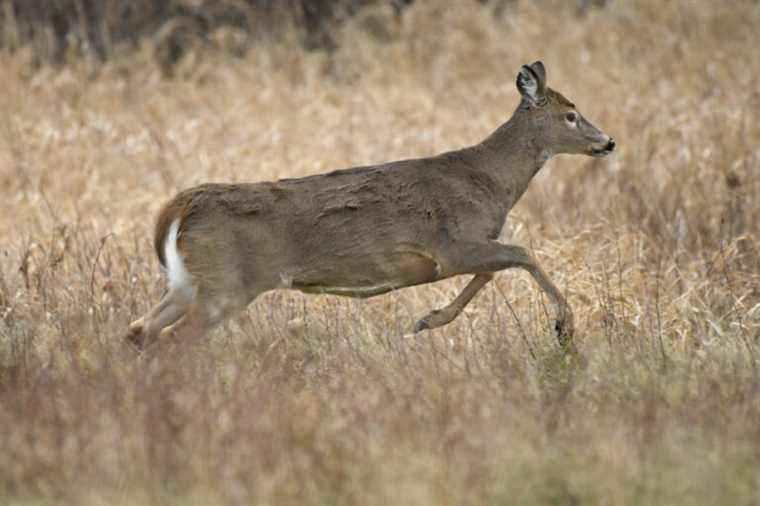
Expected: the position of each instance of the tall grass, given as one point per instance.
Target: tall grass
(326, 400)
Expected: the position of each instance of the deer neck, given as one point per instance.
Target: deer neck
(513, 155)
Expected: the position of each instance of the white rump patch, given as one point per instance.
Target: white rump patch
(179, 278)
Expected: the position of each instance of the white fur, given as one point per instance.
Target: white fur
(179, 278)
(530, 86)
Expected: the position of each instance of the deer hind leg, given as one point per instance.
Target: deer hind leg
(170, 309)
(440, 317)
(205, 312)
(493, 256)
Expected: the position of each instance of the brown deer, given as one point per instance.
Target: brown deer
(365, 231)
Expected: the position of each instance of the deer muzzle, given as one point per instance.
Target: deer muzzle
(605, 149)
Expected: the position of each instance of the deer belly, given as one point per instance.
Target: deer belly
(370, 275)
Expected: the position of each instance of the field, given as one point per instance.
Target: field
(321, 400)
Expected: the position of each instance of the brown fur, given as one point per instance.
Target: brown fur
(368, 230)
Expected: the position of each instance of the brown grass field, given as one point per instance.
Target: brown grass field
(321, 400)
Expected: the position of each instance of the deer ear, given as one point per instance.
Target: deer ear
(531, 83)
(538, 68)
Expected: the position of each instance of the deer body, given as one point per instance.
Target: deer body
(363, 231)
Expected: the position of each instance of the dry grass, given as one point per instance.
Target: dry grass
(321, 400)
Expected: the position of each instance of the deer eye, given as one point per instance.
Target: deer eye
(571, 117)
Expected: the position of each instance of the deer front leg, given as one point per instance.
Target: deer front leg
(493, 256)
(439, 317)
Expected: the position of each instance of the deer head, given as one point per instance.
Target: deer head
(557, 125)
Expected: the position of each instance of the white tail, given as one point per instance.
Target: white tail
(179, 278)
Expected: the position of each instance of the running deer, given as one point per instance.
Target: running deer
(365, 231)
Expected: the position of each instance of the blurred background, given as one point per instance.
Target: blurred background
(110, 107)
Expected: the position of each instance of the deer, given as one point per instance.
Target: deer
(366, 231)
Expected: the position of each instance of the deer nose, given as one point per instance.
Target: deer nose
(610, 145)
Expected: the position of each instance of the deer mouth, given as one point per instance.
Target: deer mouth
(599, 153)
(605, 150)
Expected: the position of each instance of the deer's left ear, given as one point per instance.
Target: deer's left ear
(531, 83)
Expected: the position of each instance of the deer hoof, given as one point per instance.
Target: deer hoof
(565, 329)
(136, 327)
(436, 318)
(135, 334)
(427, 322)
(421, 325)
